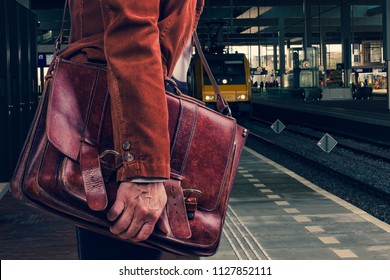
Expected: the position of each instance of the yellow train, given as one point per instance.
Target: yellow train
(232, 73)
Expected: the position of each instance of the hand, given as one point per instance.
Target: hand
(136, 210)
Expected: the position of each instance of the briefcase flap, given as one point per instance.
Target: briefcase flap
(70, 105)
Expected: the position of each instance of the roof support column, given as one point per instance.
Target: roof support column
(386, 43)
(324, 61)
(282, 55)
(307, 36)
(258, 34)
(276, 57)
(346, 39)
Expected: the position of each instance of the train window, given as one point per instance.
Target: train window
(234, 67)
(226, 72)
(216, 67)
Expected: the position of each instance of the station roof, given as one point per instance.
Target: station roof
(238, 22)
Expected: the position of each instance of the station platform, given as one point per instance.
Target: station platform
(293, 219)
(273, 214)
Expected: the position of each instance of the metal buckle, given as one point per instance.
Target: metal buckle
(190, 193)
(191, 200)
(106, 162)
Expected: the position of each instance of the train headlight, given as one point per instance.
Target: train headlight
(210, 97)
(241, 97)
(224, 81)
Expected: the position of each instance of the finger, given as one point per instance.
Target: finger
(133, 229)
(123, 222)
(144, 233)
(141, 217)
(115, 210)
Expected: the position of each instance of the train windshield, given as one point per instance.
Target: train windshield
(226, 72)
(235, 67)
(216, 67)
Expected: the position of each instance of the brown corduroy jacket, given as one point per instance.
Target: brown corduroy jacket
(140, 40)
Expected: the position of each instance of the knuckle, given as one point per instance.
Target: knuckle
(142, 211)
(155, 215)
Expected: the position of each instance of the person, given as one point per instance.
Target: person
(140, 41)
(354, 90)
(261, 86)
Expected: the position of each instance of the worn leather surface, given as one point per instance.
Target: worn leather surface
(176, 210)
(68, 134)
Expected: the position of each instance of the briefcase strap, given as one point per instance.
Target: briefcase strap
(91, 171)
(222, 105)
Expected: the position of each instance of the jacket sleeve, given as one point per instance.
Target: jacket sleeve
(143, 41)
(136, 84)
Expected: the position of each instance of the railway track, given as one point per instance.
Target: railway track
(301, 148)
(381, 151)
(357, 123)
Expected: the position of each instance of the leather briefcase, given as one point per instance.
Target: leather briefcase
(71, 137)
